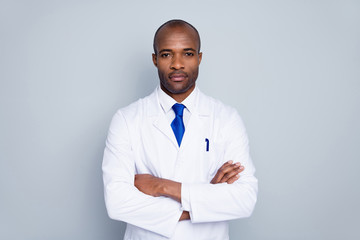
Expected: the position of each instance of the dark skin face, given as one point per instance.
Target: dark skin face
(177, 60)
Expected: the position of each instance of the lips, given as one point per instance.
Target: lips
(178, 76)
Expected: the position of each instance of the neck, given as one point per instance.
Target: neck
(179, 97)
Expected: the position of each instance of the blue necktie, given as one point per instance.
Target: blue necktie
(177, 124)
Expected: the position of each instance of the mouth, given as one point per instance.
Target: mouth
(178, 77)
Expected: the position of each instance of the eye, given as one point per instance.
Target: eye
(164, 55)
(189, 54)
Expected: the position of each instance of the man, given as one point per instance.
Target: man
(176, 163)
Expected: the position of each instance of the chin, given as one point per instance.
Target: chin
(175, 88)
(176, 91)
(178, 87)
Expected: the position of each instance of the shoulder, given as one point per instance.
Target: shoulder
(139, 108)
(217, 108)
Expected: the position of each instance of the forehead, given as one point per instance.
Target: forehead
(177, 37)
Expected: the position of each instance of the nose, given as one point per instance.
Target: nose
(177, 62)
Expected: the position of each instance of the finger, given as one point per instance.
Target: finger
(223, 171)
(220, 173)
(228, 168)
(233, 179)
(230, 174)
(236, 170)
(226, 171)
(216, 178)
(228, 163)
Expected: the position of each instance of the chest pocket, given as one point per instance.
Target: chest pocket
(213, 157)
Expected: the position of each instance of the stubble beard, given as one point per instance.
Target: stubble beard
(168, 87)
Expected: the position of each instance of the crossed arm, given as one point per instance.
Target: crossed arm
(129, 197)
(156, 187)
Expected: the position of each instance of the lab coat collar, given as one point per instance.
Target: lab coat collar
(197, 104)
(167, 102)
(193, 103)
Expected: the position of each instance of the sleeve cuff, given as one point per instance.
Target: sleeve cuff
(185, 197)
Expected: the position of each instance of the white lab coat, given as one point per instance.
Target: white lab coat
(140, 140)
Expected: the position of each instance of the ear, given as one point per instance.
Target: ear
(200, 57)
(154, 58)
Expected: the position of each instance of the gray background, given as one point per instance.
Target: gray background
(291, 68)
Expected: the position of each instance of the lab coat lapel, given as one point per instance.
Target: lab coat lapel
(194, 129)
(198, 122)
(159, 120)
(162, 124)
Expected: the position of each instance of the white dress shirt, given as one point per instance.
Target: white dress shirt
(140, 140)
(167, 102)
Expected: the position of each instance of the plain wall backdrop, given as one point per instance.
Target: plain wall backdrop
(291, 69)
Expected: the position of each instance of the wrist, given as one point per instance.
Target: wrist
(170, 189)
(161, 187)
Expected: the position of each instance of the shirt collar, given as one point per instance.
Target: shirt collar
(167, 102)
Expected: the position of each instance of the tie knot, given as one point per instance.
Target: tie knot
(178, 109)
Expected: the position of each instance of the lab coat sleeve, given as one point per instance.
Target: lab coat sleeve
(124, 202)
(220, 202)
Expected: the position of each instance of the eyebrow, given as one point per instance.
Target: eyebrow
(165, 50)
(169, 50)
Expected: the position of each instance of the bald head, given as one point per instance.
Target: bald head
(172, 25)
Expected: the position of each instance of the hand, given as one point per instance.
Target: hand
(184, 216)
(228, 172)
(148, 184)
